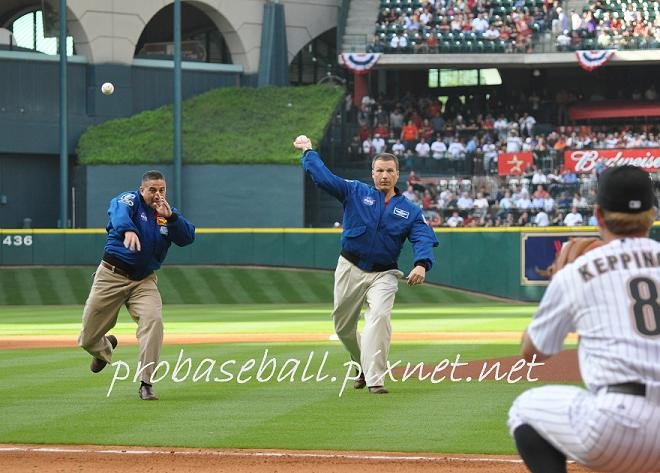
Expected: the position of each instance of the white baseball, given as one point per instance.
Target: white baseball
(107, 88)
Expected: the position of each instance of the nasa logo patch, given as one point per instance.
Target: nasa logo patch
(127, 199)
(368, 201)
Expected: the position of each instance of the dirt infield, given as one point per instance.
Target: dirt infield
(92, 459)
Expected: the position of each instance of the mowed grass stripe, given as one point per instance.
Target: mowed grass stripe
(80, 280)
(315, 286)
(61, 285)
(203, 285)
(228, 280)
(210, 287)
(11, 289)
(198, 284)
(182, 283)
(278, 292)
(254, 291)
(40, 279)
(168, 288)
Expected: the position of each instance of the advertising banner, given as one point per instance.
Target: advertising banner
(585, 160)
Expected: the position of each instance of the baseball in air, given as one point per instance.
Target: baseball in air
(107, 88)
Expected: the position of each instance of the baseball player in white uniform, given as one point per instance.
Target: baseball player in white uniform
(610, 296)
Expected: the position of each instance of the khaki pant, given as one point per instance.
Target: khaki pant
(109, 292)
(352, 288)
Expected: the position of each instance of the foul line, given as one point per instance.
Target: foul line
(343, 456)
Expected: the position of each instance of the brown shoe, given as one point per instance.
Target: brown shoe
(378, 390)
(360, 383)
(146, 393)
(97, 364)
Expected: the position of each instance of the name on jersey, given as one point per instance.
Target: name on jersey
(605, 264)
(401, 213)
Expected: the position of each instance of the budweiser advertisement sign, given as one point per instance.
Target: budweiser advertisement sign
(585, 160)
(509, 164)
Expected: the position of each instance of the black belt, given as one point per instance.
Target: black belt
(355, 259)
(636, 389)
(111, 263)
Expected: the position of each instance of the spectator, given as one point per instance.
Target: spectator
(541, 219)
(423, 149)
(377, 144)
(438, 148)
(410, 194)
(367, 147)
(573, 219)
(456, 149)
(398, 148)
(396, 121)
(579, 201)
(465, 202)
(409, 133)
(455, 220)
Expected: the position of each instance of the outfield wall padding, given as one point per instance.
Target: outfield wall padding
(485, 261)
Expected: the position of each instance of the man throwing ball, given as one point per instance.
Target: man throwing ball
(141, 228)
(610, 296)
(377, 220)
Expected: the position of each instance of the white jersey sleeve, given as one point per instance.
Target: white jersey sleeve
(553, 319)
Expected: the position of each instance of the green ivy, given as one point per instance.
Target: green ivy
(227, 125)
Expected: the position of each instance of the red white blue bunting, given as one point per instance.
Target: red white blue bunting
(360, 63)
(590, 60)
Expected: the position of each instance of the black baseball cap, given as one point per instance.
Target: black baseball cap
(625, 189)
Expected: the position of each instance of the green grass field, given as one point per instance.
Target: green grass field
(49, 396)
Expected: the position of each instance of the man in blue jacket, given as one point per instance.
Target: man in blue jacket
(141, 228)
(377, 220)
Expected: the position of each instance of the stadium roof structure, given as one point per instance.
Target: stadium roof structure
(614, 109)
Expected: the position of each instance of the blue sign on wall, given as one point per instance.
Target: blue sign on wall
(538, 251)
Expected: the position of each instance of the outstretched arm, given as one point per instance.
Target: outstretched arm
(320, 174)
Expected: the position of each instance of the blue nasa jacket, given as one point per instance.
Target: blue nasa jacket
(129, 212)
(372, 231)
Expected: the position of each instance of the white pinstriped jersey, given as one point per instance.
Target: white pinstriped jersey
(610, 296)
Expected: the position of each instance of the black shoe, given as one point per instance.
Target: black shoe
(360, 383)
(146, 393)
(97, 364)
(378, 390)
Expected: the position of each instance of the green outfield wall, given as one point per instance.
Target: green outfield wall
(488, 261)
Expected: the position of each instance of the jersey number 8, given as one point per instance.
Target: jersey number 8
(646, 310)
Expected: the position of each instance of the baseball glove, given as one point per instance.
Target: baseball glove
(570, 251)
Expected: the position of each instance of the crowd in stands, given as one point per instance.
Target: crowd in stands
(432, 26)
(609, 24)
(419, 129)
(534, 199)
(460, 26)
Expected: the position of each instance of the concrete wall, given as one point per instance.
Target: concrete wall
(213, 195)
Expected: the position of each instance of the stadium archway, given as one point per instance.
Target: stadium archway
(316, 60)
(23, 28)
(206, 34)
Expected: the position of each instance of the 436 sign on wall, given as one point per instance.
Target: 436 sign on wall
(585, 160)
